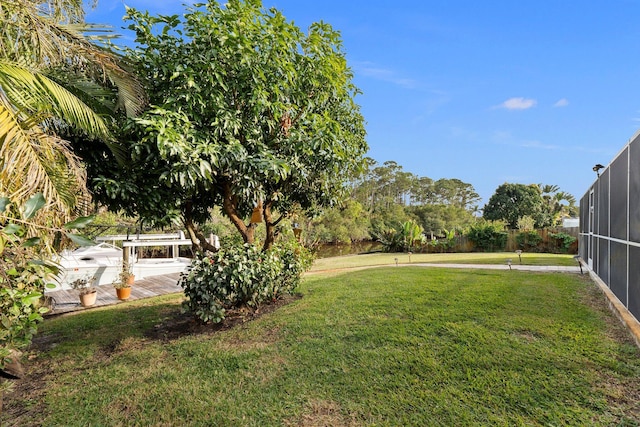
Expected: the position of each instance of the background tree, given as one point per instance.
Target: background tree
(513, 201)
(392, 196)
(558, 204)
(340, 224)
(250, 112)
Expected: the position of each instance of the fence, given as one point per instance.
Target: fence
(609, 241)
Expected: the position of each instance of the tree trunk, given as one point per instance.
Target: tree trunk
(271, 227)
(230, 207)
(199, 242)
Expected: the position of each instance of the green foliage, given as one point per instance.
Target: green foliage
(391, 239)
(23, 274)
(513, 201)
(563, 240)
(341, 224)
(488, 235)
(404, 239)
(242, 275)
(249, 108)
(437, 218)
(558, 204)
(526, 223)
(447, 244)
(528, 240)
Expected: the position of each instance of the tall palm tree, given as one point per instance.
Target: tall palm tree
(52, 80)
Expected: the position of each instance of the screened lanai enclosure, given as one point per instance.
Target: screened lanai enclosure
(610, 225)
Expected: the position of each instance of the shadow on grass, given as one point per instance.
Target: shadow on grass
(109, 326)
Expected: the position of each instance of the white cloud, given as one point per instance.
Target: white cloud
(561, 103)
(371, 70)
(518, 104)
(539, 145)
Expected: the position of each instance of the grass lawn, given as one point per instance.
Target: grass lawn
(387, 346)
(351, 261)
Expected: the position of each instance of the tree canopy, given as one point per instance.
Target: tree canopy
(248, 111)
(513, 201)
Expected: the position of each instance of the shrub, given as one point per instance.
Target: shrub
(528, 240)
(563, 240)
(242, 275)
(488, 235)
(23, 272)
(408, 237)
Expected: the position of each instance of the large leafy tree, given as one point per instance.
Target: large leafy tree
(249, 111)
(513, 201)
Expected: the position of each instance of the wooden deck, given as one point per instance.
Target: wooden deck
(68, 301)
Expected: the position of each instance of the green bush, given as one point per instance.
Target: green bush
(528, 240)
(23, 272)
(242, 275)
(488, 235)
(563, 240)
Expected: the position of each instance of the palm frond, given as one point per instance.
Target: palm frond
(34, 93)
(32, 161)
(31, 35)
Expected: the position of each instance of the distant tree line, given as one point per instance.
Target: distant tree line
(385, 197)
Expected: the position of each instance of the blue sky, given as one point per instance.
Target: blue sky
(486, 92)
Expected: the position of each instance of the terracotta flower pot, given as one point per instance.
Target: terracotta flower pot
(123, 293)
(88, 299)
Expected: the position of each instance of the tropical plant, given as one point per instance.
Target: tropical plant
(558, 204)
(411, 235)
(52, 81)
(405, 238)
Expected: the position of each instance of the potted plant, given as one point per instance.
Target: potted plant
(87, 292)
(123, 283)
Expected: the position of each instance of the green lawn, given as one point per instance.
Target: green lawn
(386, 346)
(351, 261)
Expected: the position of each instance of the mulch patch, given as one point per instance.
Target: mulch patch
(177, 325)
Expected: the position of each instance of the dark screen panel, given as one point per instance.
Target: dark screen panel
(603, 261)
(618, 197)
(634, 282)
(634, 190)
(602, 204)
(582, 246)
(618, 271)
(584, 213)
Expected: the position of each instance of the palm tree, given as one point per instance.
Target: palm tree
(53, 80)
